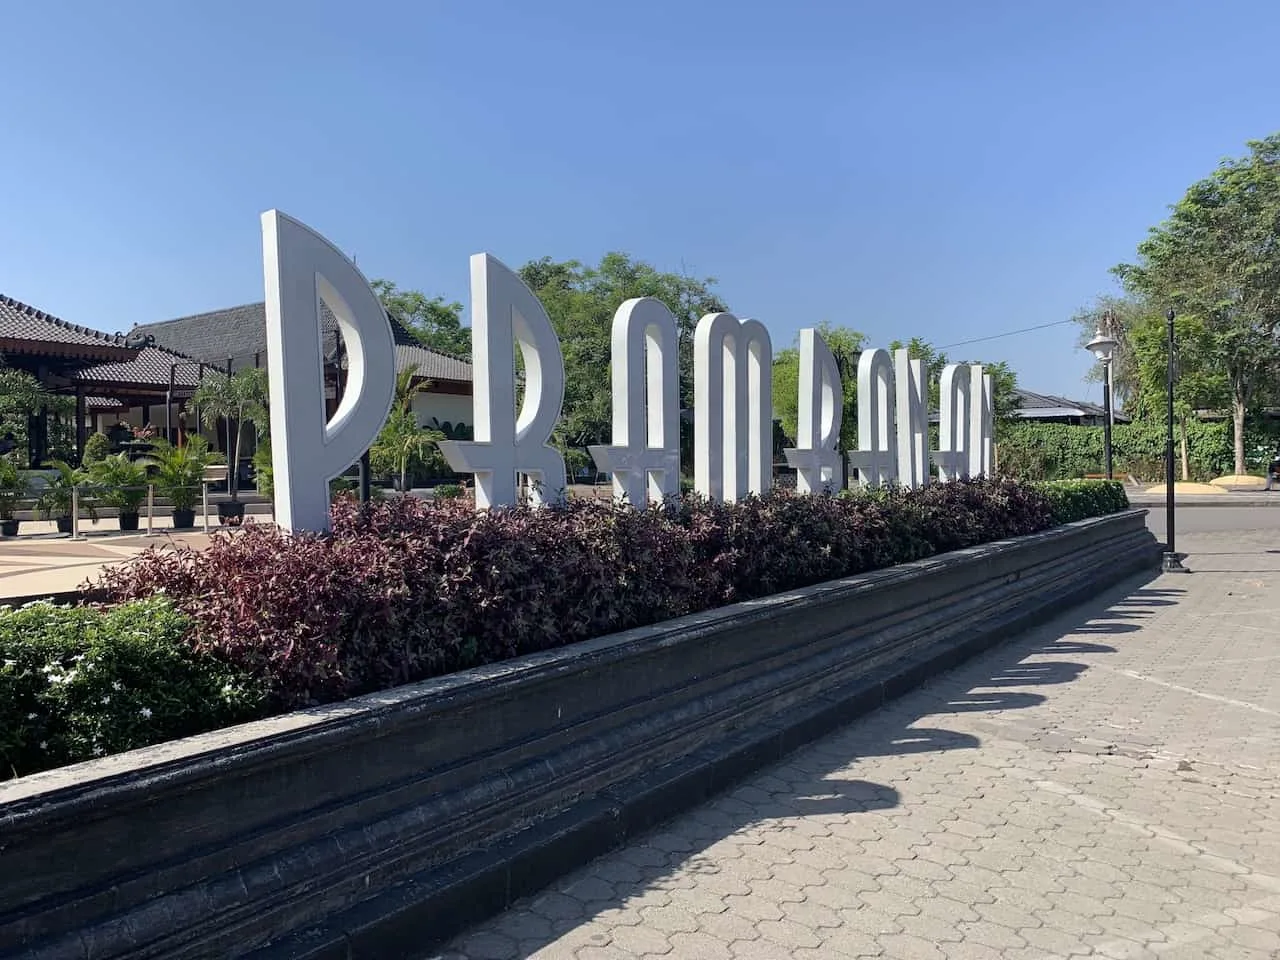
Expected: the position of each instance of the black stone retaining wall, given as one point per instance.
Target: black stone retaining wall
(374, 827)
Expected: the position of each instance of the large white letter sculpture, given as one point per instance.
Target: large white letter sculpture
(301, 268)
(965, 422)
(644, 457)
(821, 413)
(876, 458)
(505, 310)
(913, 422)
(733, 407)
(986, 425)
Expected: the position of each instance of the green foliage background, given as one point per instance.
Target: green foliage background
(1051, 451)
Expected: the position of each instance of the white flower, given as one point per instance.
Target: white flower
(44, 744)
(117, 685)
(98, 751)
(105, 701)
(145, 713)
(32, 716)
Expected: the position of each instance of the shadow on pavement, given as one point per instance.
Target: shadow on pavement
(767, 802)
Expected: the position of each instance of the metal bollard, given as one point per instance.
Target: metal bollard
(151, 509)
(204, 501)
(75, 513)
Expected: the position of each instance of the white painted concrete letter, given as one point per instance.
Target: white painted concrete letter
(821, 414)
(876, 458)
(985, 464)
(961, 421)
(644, 457)
(733, 407)
(300, 269)
(913, 420)
(505, 310)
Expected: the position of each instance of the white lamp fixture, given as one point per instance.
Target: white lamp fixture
(1102, 346)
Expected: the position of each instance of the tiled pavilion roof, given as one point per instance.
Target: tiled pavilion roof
(26, 330)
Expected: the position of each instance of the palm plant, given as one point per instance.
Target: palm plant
(237, 400)
(402, 442)
(408, 386)
(123, 483)
(57, 499)
(13, 487)
(179, 471)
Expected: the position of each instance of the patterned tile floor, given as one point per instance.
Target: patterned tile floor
(1108, 785)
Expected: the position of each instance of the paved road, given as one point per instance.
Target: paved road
(1108, 785)
(1190, 521)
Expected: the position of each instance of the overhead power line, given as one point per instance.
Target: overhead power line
(1000, 336)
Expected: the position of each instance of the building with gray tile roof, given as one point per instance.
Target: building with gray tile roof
(106, 373)
(150, 370)
(237, 337)
(29, 332)
(1051, 409)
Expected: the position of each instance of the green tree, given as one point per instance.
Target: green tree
(1127, 311)
(1217, 257)
(581, 301)
(237, 400)
(23, 396)
(1201, 384)
(436, 322)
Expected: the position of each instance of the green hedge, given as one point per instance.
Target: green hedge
(84, 682)
(1072, 500)
(406, 589)
(1055, 451)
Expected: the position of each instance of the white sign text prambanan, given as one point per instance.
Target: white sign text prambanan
(732, 410)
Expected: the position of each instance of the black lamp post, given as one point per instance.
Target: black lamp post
(1103, 346)
(1170, 562)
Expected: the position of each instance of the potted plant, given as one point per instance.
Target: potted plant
(402, 444)
(179, 472)
(237, 399)
(123, 484)
(13, 487)
(57, 499)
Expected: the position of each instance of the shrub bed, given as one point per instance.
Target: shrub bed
(82, 682)
(1048, 451)
(405, 589)
(1072, 500)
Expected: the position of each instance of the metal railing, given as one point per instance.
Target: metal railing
(83, 500)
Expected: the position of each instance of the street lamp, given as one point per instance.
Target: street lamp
(1170, 562)
(1103, 346)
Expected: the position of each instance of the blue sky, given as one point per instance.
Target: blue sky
(941, 169)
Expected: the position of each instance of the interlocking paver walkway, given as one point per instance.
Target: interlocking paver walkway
(1108, 785)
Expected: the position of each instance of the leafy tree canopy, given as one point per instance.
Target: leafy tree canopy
(436, 322)
(581, 301)
(1217, 258)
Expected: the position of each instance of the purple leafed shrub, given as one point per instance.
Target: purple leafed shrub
(406, 589)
